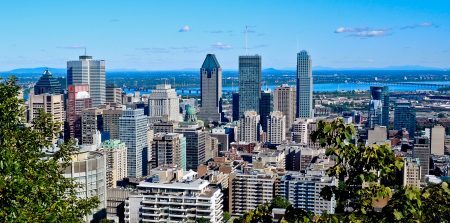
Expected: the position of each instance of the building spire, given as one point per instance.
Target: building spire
(246, 44)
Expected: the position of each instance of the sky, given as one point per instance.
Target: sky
(177, 34)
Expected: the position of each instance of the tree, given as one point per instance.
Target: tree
(202, 220)
(226, 216)
(279, 202)
(32, 187)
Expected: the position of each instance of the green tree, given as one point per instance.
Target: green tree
(226, 216)
(32, 188)
(279, 202)
(202, 220)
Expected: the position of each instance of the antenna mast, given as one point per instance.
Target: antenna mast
(246, 46)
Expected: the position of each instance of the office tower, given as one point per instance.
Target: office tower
(91, 126)
(78, 99)
(299, 131)
(115, 153)
(284, 101)
(304, 86)
(299, 157)
(168, 149)
(211, 90)
(49, 103)
(437, 140)
(166, 127)
(88, 170)
(187, 197)
(111, 116)
(378, 107)
(235, 105)
(195, 135)
(265, 107)
(276, 128)
(163, 103)
(91, 72)
(421, 151)
(249, 83)
(386, 103)
(249, 127)
(405, 117)
(211, 148)
(411, 172)
(303, 191)
(223, 136)
(377, 135)
(113, 94)
(133, 132)
(248, 189)
(47, 84)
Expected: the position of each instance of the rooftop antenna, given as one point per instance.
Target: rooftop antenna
(85, 51)
(246, 46)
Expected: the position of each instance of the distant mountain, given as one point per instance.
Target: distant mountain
(36, 70)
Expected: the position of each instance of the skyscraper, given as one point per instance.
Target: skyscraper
(386, 104)
(421, 151)
(91, 72)
(113, 94)
(265, 107)
(169, 149)
(211, 90)
(405, 117)
(133, 132)
(304, 86)
(437, 140)
(78, 99)
(163, 104)
(249, 127)
(49, 103)
(249, 83)
(235, 112)
(276, 128)
(47, 84)
(284, 101)
(375, 115)
(115, 153)
(91, 126)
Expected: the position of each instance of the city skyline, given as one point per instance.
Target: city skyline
(372, 34)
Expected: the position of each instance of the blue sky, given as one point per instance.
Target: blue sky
(168, 35)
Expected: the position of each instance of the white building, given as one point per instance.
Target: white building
(276, 128)
(411, 172)
(299, 131)
(304, 86)
(303, 191)
(115, 152)
(185, 199)
(91, 72)
(133, 132)
(163, 103)
(249, 127)
(89, 171)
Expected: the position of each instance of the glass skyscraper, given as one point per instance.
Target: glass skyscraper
(405, 117)
(249, 83)
(265, 107)
(91, 72)
(211, 90)
(378, 107)
(304, 86)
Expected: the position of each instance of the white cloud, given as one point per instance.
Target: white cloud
(362, 32)
(419, 25)
(184, 29)
(221, 46)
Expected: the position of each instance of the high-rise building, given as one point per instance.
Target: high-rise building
(47, 84)
(91, 72)
(411, 172)
(168, 149)
(276, 128)
(378, 107)
(187, 197)
(195, 135)
(88, 170)
(437, 140)
(377, 135)
(211, 90)
(303, 191)
(265, 107)
(91, 126)
(304, 86)
(249, 127)
(235, 105)
(299, 131)
(299, 156)
(284, 101)
(250, 189)
(49, 103)
(163, 103)
(78, 99)
(111, 116)
(113, 94)
(405, 117)
(421, 151)
(249, 83)
(115, 153)
(133, 132)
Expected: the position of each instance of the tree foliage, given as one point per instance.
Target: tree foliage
(279, 202)
(32, 187)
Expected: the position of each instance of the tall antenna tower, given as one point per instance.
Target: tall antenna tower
(246, 44)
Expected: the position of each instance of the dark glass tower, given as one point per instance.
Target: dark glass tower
(47, 84)
(405, 117)
(378, 107)
(211, 90)
(249, 83)
(235, 99)
(265, 107)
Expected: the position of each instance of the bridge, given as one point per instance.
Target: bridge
(402, 83)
